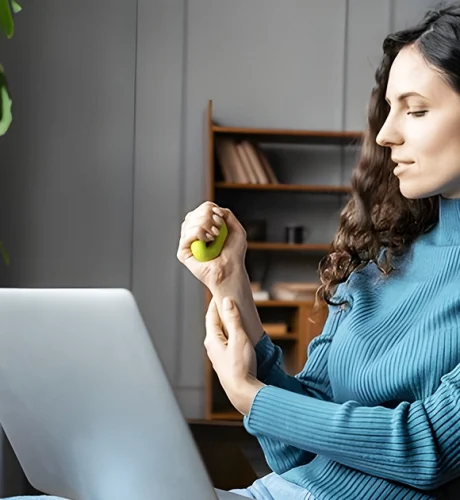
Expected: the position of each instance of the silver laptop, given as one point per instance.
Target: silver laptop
(86, 404)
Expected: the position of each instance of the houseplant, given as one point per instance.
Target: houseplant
(8, 8)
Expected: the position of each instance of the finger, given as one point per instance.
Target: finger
(195, 233)
(212, 318)
(232, 320)
(201, 232)
(215, 338)
(234, 225)
(221, 212)
(202, 224)
(205, 208)
(207, 205)
(210, 222)
(187, 224)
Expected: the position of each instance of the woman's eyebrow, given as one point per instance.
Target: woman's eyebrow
(403, 96)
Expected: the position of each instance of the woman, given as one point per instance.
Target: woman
(375, 413)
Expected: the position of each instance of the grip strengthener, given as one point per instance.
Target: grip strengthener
(203, 251)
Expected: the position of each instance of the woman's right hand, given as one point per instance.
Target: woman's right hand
(226, 274)
(203, 224)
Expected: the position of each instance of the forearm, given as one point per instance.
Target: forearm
(238, 287)
(415, 443)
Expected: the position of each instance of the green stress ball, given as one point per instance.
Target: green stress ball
(203, 251)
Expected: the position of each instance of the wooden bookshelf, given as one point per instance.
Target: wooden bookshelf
(303, 324)
(288, 247)
(285, 187)
(290, 135)
(225, 415)
(283, 303)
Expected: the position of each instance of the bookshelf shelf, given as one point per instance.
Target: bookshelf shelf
(285, 187)
(288, 247)
(291, 135)
(290, 337)
(226, 415)
(235, 164)
(283, 303)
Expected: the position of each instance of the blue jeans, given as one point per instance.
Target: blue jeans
(269, 487)
(274, 487)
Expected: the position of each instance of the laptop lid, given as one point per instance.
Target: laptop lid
(85, 402)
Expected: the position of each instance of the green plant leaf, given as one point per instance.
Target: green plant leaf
(3, 83)
(6, 18)
(4, 254)
(6, 117)
(15, 6)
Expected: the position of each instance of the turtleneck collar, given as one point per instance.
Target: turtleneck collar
(447, 231)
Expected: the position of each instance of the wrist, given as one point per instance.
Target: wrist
(252, 387)
(238, 286)
(226, 281)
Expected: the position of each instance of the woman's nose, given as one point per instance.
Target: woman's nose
(389, 135)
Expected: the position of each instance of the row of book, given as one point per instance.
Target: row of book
(242, 162)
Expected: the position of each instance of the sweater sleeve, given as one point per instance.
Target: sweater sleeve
(417, 443)
(312, 381)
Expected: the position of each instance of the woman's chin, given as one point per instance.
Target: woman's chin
(412, 192)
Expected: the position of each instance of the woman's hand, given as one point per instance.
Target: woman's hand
(203, 224)
(232, 355)
(225, 275)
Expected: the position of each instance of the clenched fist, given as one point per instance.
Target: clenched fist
(204, 224)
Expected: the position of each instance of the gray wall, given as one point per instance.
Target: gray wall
(66, 190)
(106, 153)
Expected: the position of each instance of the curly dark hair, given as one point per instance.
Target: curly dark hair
(378, 222)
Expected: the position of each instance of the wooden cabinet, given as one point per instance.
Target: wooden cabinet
(303, 324)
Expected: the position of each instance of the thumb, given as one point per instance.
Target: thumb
(231, 319)
(214, 333)
(235, 228)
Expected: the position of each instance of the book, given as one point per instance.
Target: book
(275, 328)
(242, 162)
(267, 168)
(224, 161)
(260, 295)
(230, 161)
(256, 164)
(294, 290)
(246, 162)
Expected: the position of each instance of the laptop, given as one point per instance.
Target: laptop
(86, 403)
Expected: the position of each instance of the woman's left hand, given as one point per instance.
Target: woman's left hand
(232, 356)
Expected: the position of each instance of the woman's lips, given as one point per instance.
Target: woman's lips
(401, 167)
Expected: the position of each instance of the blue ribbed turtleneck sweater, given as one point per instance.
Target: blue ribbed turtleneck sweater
(375, 412)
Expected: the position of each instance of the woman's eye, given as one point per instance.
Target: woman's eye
(417, 114)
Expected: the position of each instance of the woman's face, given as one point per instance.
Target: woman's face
(422, 128)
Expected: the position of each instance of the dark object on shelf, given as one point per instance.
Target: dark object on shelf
(295, 234)
(256, 229)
